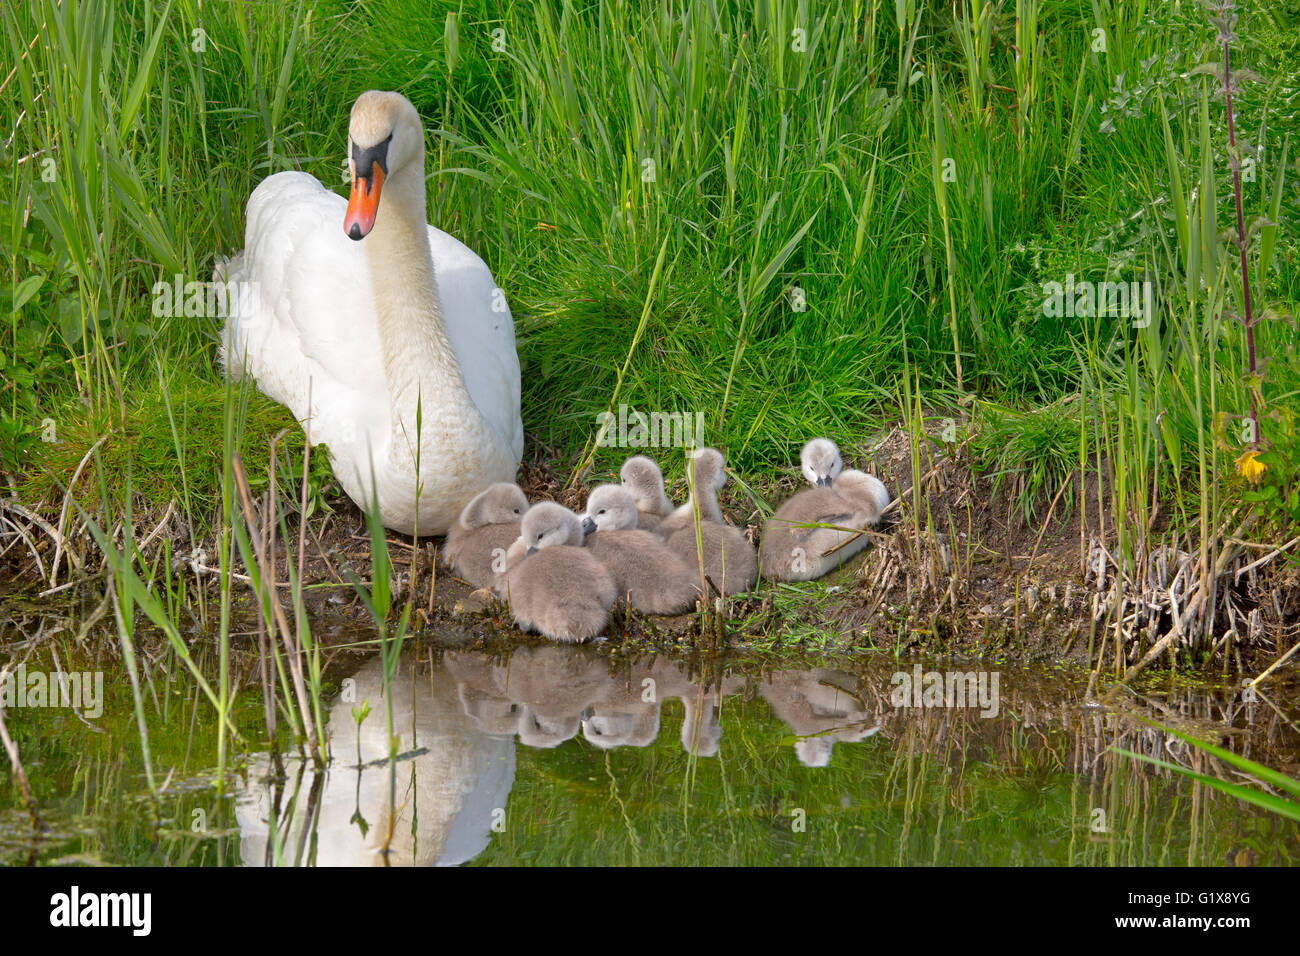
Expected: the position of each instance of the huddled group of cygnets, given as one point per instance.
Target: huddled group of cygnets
(561, 572)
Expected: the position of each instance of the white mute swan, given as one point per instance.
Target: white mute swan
(353, 313)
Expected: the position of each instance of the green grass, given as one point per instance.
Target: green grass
(1038, 446)
(839, 191)
(163, 446)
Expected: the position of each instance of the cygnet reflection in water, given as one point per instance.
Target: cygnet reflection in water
(457, 721)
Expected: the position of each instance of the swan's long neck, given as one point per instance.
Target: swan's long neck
(419, 362)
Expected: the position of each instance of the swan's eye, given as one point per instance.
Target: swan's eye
(540, 536)
(601, 511)
(516, 511)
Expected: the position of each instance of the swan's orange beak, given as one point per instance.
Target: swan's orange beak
(364, 203)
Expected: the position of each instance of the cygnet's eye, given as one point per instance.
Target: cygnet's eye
(540, 536)
(601, 511)
(516, 511)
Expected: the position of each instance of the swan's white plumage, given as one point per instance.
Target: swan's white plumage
(302, 319)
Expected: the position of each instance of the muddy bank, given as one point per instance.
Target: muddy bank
(956, 568)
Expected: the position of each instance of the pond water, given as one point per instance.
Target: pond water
(556, 755)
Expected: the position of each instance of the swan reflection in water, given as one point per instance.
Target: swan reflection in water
(456, 721)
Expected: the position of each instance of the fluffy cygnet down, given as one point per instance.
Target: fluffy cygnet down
(476, 543)
(820, 462)
(708, 476)
(727, 559)
(643, 479)
(558, 588)
(646, 572)
(793, 551)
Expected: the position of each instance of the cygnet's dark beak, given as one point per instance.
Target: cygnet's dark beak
(531, 550)
(824, 481)
(588, 526)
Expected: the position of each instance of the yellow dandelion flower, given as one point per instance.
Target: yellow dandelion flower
(1250, 468)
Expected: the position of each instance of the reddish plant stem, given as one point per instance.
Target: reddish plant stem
(1241, 239)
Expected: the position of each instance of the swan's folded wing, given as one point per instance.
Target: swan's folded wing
(482, 333)
(309, 318)
(311, 276)
(820, 542)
